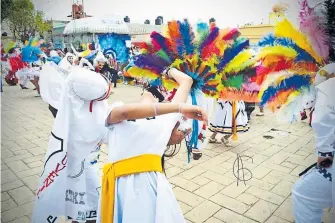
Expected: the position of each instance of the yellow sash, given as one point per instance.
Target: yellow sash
(112, 171)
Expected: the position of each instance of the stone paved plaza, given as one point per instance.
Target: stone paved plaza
(206, 189)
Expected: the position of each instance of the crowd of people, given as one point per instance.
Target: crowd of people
(205, 78)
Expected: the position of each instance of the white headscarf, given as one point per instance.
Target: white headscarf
(99, 58)
(64, 63)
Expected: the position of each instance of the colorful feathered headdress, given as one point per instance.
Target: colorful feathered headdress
(214, 58)
(289, 60)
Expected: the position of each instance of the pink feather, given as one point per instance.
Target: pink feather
(252, 87)
(313, 26)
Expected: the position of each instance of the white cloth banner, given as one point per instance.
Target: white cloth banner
(70, 184)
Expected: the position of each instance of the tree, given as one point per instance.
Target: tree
(6, 6)
(21, 19)
(147, 21)
(41, 26)
(24, 21)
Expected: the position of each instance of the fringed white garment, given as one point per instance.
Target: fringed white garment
(70, 184)
(144, 197)
(222, 119)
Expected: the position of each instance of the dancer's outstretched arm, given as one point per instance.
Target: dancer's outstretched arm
(139, 111)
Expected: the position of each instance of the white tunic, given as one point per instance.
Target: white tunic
(144, 197)
(323, 122)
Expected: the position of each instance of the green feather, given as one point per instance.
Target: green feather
(162, 54)
(234, 81)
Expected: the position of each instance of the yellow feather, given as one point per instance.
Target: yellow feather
(276, 51)
(271, 79)
(292, 97)
(176, 63)
(139, 72)
(169, 84)
(213, 60)
(285, 29)
(240, 62)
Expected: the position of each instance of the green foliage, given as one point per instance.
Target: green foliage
(41, 25)
(6, 6)
(24, 21)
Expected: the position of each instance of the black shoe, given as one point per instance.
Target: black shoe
(23, 87)
(304, 117)
(196, 154)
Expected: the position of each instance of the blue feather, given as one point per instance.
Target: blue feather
(210, 38)
(202, 32)
(151, 62)
(294, 82)
(267, 40)
(156, 83)
(186, 34)
(212, 76)
(231, 53)
(271, 40)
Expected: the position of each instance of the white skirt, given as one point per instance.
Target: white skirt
(28, 73)
(222, 121)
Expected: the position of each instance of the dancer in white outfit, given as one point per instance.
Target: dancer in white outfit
(70, 177)
(142, 193)
(222, 121)
(315, 190)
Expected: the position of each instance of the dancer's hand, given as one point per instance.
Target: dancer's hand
(194, 112)
(321, 159)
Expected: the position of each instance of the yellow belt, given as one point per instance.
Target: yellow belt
(112, 171)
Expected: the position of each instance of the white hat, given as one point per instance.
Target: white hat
(100, 57)
(88, 85)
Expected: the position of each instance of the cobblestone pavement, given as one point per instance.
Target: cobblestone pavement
(206, 189)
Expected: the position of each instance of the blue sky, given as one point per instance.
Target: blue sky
(226, 12)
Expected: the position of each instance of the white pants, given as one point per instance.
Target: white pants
(310, 195)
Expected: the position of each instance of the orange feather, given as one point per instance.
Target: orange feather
(174, 35)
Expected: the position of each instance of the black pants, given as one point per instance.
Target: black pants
(155, 92)
(53, 111)
(249, 108)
